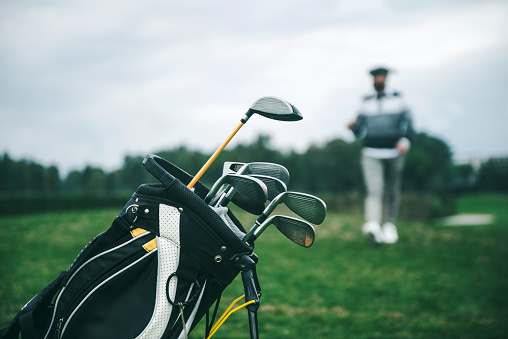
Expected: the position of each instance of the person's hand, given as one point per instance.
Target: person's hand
(402, 147)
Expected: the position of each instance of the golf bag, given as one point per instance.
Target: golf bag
(163, 263)
(383, 130)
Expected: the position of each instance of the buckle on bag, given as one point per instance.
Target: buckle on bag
(132, 212)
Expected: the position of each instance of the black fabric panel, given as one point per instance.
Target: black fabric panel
(198, 241)
(121, 308)
(95, 273)
(179, 195)
(102, 241)
(104, 265)
(26, 322)
(188, 267)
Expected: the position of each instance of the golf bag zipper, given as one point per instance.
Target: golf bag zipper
(59, 328)
(85, 288)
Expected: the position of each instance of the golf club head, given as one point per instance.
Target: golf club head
(249, 187)
(274, 186)
(298, 231)
(263, 168)
(274, 108)
(255, 207)
(307, 206)
(231, 167)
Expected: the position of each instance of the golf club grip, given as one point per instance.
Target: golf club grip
(155, 169)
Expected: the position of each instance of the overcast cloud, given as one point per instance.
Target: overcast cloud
(87, 82)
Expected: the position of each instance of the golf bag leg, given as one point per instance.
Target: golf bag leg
(253, 324)
(251, 293)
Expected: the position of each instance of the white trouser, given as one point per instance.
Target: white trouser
(382, 180)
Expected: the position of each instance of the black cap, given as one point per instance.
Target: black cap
(379, 71)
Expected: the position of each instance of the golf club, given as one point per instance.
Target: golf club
(254, 168)
(307, 206)
(249, 187)
(274, 187)
(264, 168)
(268, 107)
(298, 231)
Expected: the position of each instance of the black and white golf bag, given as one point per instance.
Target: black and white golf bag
(163, 263)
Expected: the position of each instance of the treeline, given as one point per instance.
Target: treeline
(329, 169)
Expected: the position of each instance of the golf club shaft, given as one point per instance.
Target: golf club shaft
(214, 156)
(250, 234)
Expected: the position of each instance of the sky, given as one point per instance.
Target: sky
(89, 82)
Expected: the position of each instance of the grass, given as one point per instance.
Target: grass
(436, 282)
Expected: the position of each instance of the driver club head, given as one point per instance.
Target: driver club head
(274, 108)
(268, 107)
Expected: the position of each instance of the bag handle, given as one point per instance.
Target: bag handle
(167, 172)
(153, 166)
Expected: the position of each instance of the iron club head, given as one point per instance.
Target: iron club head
(307, 206)
(296, 230)
(249, 187)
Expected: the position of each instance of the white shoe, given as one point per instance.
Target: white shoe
(390, 233)
(373, 230)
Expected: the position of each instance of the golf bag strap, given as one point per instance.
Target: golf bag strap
(26, 325)
(167, 172)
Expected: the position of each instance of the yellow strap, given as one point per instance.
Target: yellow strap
(151, 245)
(227, 310)
(137, 231)
(227, 313)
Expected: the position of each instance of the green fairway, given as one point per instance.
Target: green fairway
(436, 282)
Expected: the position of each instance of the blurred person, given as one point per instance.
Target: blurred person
(385, 127)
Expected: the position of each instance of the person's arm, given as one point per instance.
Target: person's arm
(404, 143)
(403, 146)
(353, 125)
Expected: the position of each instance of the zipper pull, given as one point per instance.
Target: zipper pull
(59, 328)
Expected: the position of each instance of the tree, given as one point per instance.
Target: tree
(428, 165)
(494, 175)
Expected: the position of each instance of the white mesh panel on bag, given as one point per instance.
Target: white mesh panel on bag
(168, 245)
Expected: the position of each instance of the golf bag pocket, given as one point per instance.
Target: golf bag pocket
(96, 299)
